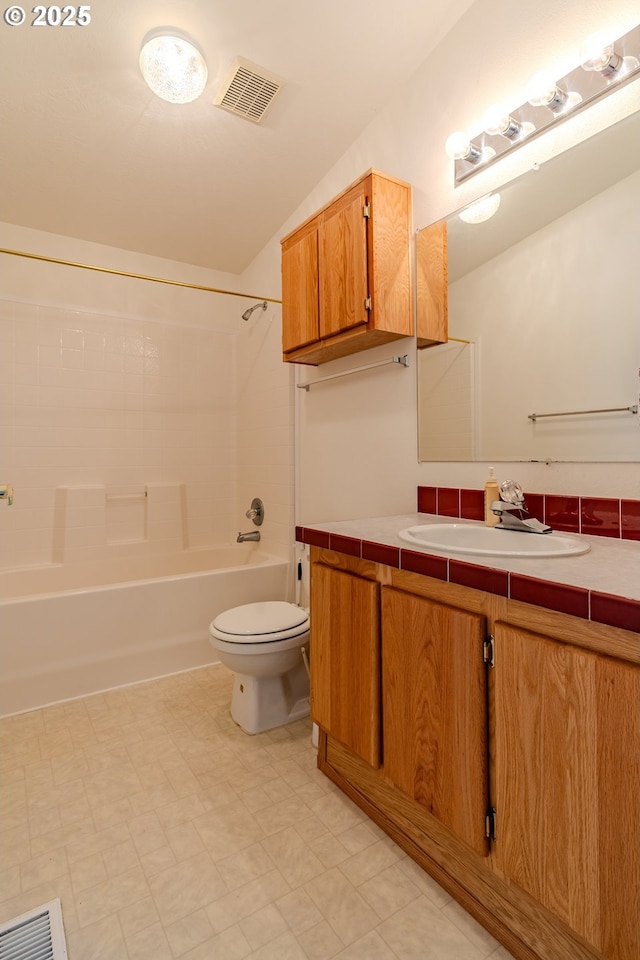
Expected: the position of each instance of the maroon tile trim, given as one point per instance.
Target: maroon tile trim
(554, 596)
(315, 538)
(480, 578)
(615, 611)
(535, 505)
(381, 553)
(630, 519)
(472, 504)
(596, 516)
(348, 545)
(600, 516)
(424, 563)
(562, 513)
(427, 502)
(448, 502)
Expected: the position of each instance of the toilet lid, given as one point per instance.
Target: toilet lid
(263, 621)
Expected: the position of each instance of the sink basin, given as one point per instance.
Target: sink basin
(492, 542)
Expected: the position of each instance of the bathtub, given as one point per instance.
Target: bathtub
(71, 630)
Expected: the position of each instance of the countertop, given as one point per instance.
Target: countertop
(602, 585)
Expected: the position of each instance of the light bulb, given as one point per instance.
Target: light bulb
(481, 210)
(599, 55)
(498, 122)
(173, 68)
(459, 147)
(542, 91)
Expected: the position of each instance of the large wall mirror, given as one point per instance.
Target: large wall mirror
(544, 306)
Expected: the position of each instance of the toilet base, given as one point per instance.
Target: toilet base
(262, 703)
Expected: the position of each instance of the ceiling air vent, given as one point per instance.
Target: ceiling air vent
(249, 91)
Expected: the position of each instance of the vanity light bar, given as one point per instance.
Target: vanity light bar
(605, 67)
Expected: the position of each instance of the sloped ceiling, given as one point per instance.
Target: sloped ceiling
(89, 152)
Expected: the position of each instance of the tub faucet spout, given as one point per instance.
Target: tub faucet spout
(254, 535)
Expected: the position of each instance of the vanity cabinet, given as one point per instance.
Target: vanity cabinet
(345, 660)
(508, 749)
(567, 784)
(346, 273)
(434, 704)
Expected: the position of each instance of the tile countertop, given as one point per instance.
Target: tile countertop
(602, 585)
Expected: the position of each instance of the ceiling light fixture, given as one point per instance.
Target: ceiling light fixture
(605, 66)
(172, 66)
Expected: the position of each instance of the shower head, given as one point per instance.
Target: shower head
(256, 306)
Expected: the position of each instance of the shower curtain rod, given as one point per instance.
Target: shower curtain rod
(134, 276)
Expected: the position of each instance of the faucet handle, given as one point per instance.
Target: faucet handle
(511, 492)
(6, 493)
(256, 511)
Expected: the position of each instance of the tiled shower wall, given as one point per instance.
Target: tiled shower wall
(89, 399)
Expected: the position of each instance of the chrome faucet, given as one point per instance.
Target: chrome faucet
(254, 535)
(513, 512)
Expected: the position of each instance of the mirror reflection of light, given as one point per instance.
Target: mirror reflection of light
(481, 210)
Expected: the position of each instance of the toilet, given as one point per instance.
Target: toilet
(262, 643)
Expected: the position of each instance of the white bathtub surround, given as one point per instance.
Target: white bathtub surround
(90, 520)
(69, 630)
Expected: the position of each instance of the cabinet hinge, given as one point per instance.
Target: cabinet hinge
(366, 211)
(489, 650)
(490, 824)
(367, 303)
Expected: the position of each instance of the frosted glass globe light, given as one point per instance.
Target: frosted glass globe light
(481, 210)
(173, 68)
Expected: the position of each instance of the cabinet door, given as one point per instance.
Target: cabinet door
(343, 266)
(300, 290)
(567, 781)
(434, 708)
(345, 659)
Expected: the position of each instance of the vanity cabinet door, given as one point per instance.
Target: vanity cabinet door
(434, 696)
(567, 784)
(345, 659)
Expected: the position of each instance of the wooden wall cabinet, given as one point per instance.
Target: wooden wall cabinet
(510, 769)
(432, 290)
(346, 273)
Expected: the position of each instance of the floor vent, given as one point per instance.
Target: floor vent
(37, 935)
(249, 91)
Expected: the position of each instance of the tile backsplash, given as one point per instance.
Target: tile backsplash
(596, 516)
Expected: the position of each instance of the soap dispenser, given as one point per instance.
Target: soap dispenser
(491, 494)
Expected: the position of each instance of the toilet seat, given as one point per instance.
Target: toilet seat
(262, 622)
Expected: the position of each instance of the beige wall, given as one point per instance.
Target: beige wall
(357, 438)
